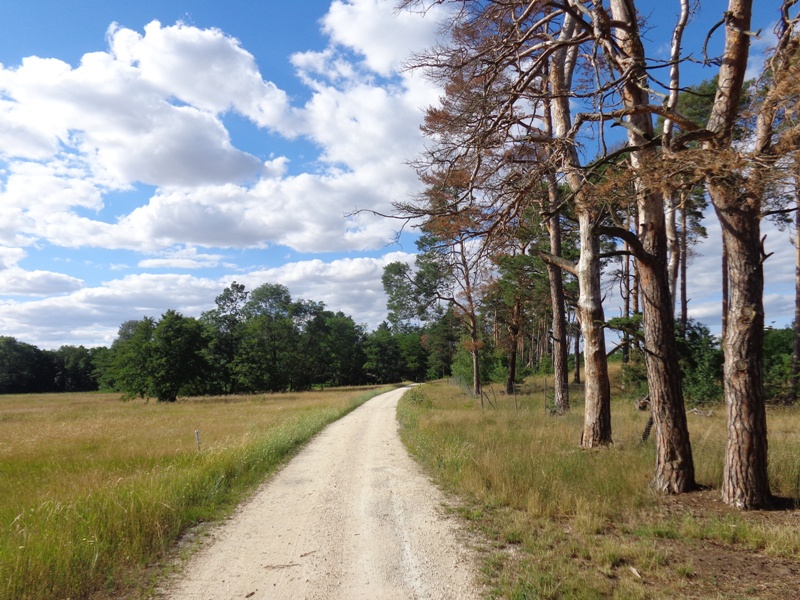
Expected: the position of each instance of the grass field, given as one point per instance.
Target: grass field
(562, 522)
(94, 490)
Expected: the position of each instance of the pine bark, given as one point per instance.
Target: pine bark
(796, 349)
(684, 318)
(725, 288)
(745, 483)
(513, 346)
(673, 247)
(674, 472)
(597, 406)
(577, 352)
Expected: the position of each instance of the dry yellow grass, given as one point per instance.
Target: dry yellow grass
(92, 489)
(570, 523)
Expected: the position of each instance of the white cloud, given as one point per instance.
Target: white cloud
(149, 113)
(16, 281)
(364, 26)
(204, 68)
(141, 113)
(121, 116)
(92, 315)
(184, 258)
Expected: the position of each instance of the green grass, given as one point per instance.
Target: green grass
(95, 490)
(570, 523)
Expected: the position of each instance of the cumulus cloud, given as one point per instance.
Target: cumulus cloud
(149, 111)
(204, 68)
(184, 258)
(363, 26)
(16, 281)
(92, 315)
(147, 116)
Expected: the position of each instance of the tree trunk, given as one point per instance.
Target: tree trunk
(745, 483)
(673, 247)
(560, 342)
(674, 472)
(476, 373)
(684, 319)
(597, 411)
(626, 299)
(512, 370)
(796, 349)
(513, 330)
(474, 350)
(725, 289)
(577, 341)
(635, 304)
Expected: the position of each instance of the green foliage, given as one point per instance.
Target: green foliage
(383, 356)
(701, 363)
(441, 340)
(129, 369)
(24, 368)
(413, 356)
(75, 368)
(176, 359)
(488, 364)
(252, 341)
(698, 354)
(634, 370)
(400, 292)
(418, 398)
(341, 350)
(224, 324)
(161, 360)
(778, 349)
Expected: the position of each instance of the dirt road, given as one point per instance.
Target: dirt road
(351, 516)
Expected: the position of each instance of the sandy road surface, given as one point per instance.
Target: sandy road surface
(351, 516)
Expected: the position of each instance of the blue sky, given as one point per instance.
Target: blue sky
(152, 152)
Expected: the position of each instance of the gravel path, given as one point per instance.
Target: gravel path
(351, 516)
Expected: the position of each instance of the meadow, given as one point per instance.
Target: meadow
(95, 491)
(554, 521)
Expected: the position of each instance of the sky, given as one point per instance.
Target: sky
(153, 152)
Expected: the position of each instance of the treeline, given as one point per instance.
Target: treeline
(252, 341)
(265, 341)
(256, 341)
(24, 368)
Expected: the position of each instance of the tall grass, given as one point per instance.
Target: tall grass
(94, 490)
(572, 523)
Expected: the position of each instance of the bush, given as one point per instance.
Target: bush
(701, 363)
(418, 398)
(778, 349)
